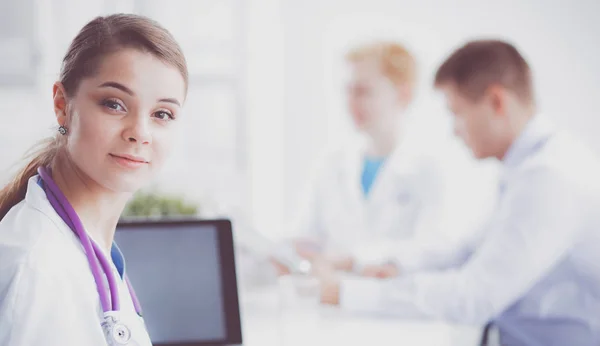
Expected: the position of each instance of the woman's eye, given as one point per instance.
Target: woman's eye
(113, 105)
(163, 115)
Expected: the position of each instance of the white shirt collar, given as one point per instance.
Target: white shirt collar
(535, 133)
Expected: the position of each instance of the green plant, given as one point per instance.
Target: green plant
(146, 204)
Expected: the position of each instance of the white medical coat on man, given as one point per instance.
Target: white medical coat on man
(536, 273)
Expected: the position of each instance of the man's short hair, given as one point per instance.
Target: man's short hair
(477, 65)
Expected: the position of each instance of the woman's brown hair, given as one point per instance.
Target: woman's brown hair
(97, 39)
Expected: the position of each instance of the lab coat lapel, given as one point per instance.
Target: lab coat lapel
(352, 199)
(352, 177)
(397, 166)
(393, 194)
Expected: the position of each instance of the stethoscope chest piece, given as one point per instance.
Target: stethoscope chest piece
(115, 331)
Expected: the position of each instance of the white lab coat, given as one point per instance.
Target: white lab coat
(536, 272)
(48, 295)
(416, 195)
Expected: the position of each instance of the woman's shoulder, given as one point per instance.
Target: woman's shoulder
(37, 267)
(30, 236)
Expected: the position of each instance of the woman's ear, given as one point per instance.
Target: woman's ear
(59, 97)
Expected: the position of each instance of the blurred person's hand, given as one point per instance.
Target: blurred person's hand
(299, 250)
(280, 268)
(382, 271)
(318, 261)
(307, 248)
(340, 262)
(312, 251)
(325, 271)
(322, 267)
(330, 291)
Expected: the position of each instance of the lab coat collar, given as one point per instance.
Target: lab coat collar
(535, 133)
(400, 163)
(397, 162)
(36, 197)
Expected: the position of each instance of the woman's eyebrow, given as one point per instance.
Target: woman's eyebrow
(117, 86)
(170, 100)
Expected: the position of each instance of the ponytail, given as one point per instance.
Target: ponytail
(42, 154)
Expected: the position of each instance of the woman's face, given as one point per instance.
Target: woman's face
(374, 101)
(121, 121)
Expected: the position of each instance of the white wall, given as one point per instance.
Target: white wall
(265, 113)
(559, 41)
(292, 77)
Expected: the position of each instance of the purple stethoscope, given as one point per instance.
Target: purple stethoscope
(115, 331)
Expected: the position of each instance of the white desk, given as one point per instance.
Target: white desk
(265, 325)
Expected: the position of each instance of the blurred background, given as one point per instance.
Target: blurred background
(267, 82)
(267, 89)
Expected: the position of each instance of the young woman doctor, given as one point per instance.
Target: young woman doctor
(62, 280)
